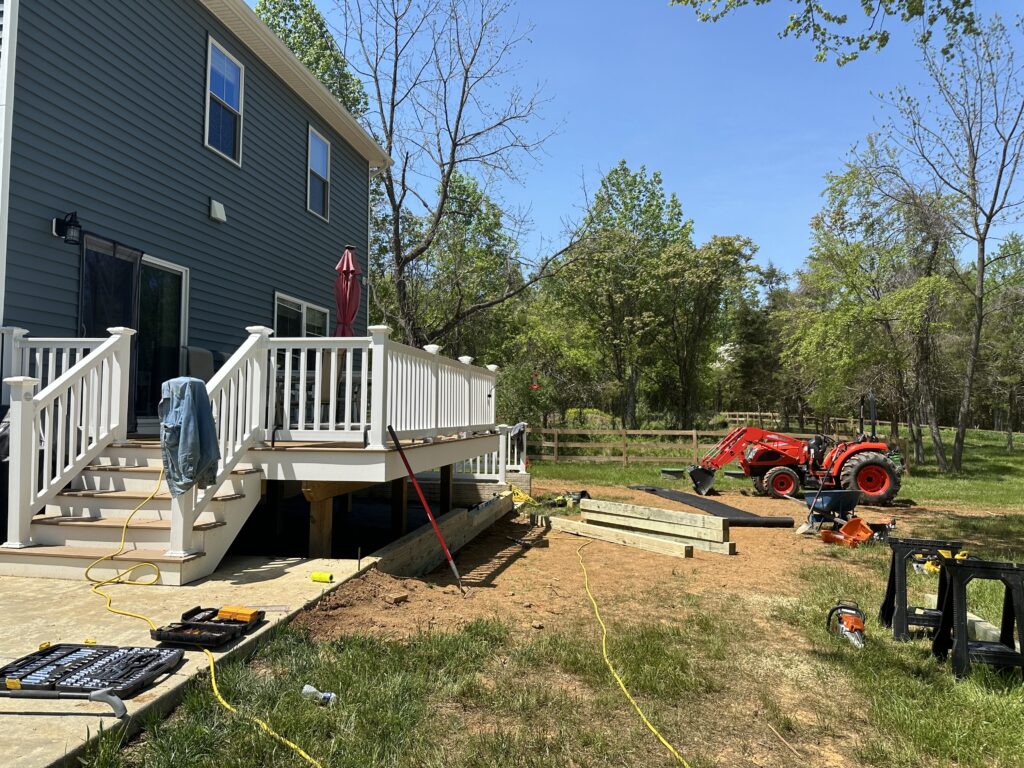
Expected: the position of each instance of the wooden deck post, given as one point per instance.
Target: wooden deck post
(23, 461)
(321, 527)
(400, 506)
(444, 505)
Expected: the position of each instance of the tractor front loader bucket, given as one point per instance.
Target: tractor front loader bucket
(703, 479)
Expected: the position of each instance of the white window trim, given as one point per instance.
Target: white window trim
(309, 170)
(210, 42)
(169, 266)
(305, 305)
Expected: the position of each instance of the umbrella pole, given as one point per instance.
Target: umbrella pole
(430, 515)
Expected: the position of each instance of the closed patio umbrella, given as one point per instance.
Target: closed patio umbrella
(347, 291)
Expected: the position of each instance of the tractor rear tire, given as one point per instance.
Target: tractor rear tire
(780, 482)
(874, 475)
(759, 486)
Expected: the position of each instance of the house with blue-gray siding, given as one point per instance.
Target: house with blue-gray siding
(215, 180)
(180, 195)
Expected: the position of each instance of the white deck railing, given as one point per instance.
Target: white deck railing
(57, 432)
(497, 464)
(237, 395)
(352, 389)
(45, 360)
(310, 389)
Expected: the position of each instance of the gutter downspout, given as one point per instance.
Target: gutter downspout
(8, 57)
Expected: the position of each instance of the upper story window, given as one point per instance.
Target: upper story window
(224, 92)
(318, 191)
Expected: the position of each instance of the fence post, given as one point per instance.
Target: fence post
(258, 388)
(556, 445)
(122, 375)
(24, 462)
(182, 509)
(502, 452)
(10, 359)
(625, 449)
(693, 440)
(377, 437)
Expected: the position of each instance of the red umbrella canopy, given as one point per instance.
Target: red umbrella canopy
(347, 291)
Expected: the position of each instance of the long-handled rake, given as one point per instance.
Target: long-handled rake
(430, 515)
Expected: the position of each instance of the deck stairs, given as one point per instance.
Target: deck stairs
(85, 521)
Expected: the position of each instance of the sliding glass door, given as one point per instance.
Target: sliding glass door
(163, 300)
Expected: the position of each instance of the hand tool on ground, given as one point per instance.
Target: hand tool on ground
(103, 697)
(846, 620)
(426, 507)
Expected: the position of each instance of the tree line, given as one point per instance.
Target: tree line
(912, 288)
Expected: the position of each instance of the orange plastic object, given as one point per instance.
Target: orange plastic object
(237, 613)
(856, 530)
(853, 532)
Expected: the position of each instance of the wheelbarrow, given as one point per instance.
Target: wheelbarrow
(827, 506)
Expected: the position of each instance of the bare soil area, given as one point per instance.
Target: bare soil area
(539, 588)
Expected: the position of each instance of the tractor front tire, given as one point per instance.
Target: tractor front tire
(759, 486)
(874, 475)
(780, 482)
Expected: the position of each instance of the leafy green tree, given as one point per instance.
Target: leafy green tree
(614, 284)
(829, 27)
(695, 285)
(302, 27)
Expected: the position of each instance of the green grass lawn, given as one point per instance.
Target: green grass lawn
(991, 477)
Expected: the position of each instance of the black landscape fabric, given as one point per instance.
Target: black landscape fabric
(736, 517)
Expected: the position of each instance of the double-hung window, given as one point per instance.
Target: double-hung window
(318, 190)
(293, 317)
(224, 93)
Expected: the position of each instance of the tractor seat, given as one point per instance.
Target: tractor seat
(818, 446)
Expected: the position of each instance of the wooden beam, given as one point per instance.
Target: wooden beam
(616, 536)
(321, 527)
(719, 547)
(446, 489)
(319, 490)
(692, 519)
(656, 526)
(400, 506)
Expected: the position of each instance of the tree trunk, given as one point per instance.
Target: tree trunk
(972, 359)
(1010, 414)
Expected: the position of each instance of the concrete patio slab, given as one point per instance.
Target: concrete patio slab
(39, 734)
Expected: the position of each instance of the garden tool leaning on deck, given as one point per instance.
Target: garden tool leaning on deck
(426, 507)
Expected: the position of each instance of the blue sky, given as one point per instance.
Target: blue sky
(742, 125)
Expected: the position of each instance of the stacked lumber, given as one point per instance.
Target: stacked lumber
(665, 531)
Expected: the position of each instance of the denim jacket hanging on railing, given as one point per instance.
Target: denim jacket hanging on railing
(188, 435)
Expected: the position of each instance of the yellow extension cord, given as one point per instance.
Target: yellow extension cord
(121, 577)
(611, 668)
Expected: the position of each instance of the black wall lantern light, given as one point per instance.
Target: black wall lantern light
(69, 228)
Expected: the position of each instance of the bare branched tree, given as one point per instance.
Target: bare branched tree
(444, 101)
(963, 148)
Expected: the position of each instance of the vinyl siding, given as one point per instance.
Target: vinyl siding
(109, 122)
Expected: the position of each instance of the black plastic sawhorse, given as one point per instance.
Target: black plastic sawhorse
(952, 629)
(895, 612)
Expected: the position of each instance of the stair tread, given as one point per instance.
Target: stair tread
(133, 555)
(134, 495)
(149, 470)
(118, 522)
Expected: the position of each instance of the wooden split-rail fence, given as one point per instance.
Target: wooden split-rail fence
(624, 446)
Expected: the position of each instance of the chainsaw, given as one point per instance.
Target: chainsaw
(846, 620)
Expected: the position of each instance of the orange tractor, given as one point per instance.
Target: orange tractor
(781, 465)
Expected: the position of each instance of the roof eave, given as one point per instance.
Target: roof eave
(243, 22)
